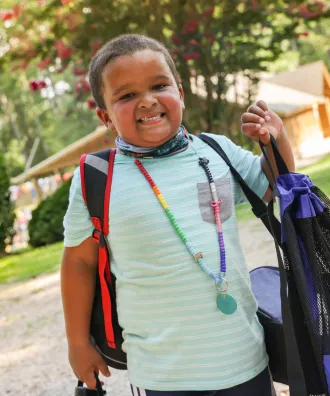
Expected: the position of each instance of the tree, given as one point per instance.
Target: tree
(7, 215)
(48, 118)
(314, 45)
(309, 45)
(212, 41)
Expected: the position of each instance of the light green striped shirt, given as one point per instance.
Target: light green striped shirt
(174, 335)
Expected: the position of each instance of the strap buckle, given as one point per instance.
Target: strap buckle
(98, 237)
(260, 214)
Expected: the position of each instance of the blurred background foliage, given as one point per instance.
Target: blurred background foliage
(46, 47)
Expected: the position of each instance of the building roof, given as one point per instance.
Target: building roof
(313, 79)
(284, 100)
(68, 156)
(285, 92)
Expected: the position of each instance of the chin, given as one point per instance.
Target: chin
(156, 138)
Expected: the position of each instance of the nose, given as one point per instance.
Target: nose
(148, 100)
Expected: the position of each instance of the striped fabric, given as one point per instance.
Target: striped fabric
(175, 337)
(138, 391)
(261, 385)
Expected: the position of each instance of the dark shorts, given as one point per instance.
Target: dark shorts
(261, 385)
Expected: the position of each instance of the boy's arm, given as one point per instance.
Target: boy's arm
(78, 272)
(258, 123)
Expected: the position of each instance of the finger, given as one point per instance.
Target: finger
(90, 380)
(250, 129)
(264, 136)
(249, 117)
(257, 110)
(262, 104)
(104, 369)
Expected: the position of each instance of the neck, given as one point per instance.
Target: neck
(177, 143)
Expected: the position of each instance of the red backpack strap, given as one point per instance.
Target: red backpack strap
(96, 172)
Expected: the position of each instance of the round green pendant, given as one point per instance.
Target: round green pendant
(226, 303)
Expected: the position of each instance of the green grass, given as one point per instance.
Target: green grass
(244, 212)
(319, 173)
(30, 263)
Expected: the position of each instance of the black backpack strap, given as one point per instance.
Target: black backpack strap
(259, 208)
(294, 365)
(96, 172)
(295, 372)
(99, 390)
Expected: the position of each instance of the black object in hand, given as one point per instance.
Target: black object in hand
(80, 390)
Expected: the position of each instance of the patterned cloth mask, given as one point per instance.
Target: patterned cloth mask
(178, 143)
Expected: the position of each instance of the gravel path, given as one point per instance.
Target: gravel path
(33, 353)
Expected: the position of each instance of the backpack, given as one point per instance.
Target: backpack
(96, 178)
(96, 172)
(304, 265)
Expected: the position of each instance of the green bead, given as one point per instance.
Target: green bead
(226, 303)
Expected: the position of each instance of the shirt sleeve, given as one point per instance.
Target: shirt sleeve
(247, 165)
(77, 223)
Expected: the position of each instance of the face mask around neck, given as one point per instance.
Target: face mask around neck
(177, 143)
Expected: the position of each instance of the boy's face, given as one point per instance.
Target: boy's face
(143, 102)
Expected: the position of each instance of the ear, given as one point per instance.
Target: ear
(181, 93)
(104, 117)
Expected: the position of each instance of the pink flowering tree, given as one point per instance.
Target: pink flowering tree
(212, 43)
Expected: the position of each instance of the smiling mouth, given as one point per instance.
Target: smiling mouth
(153, 118)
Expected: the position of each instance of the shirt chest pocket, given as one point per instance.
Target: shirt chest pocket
(224, 192)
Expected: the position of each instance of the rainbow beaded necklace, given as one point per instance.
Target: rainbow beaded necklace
(226, 303)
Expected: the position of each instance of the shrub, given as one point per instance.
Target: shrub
(7, 214)
(46, 224)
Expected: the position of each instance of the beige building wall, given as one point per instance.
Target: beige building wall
(307, 133)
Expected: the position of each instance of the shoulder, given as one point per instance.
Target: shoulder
(76, 175)
(75, 188)
(228, 146)
(76, 179)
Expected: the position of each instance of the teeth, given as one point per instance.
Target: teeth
(151, 118)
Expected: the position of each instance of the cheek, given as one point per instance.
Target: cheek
(171, 102)
(124, 112)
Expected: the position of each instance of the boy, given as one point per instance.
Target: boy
(177, 339)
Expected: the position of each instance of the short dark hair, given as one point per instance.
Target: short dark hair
(126, 44)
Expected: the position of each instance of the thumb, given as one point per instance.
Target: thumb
(264, 136)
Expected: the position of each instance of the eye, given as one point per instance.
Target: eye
(127, 96)
(159, 87)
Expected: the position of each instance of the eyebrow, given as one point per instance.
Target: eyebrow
(126, 86)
